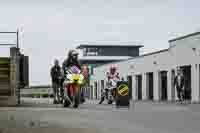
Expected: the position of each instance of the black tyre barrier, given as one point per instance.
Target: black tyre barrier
(122, 97)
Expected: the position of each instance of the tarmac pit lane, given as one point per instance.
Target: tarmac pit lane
(48, 130)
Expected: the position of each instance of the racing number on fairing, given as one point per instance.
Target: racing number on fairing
(123, 90)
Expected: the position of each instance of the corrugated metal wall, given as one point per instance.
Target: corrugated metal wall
(5, 89)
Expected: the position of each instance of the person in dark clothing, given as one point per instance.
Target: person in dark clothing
(56, 76)
(179, 84)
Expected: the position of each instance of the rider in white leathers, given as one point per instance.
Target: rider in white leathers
(111, 83)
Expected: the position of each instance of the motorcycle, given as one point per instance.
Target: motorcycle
(72, 86)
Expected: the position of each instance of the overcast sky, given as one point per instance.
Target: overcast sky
(49, 27)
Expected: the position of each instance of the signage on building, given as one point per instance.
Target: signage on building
(123, 90)
(131, 68)
(90, 69)
(92, 77)
(94, 71)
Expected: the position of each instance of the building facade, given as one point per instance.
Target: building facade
(152, 75)
(95, 55)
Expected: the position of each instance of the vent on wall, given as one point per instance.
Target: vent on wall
(132, 67)
(194, 49)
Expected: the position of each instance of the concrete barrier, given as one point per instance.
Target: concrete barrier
(36, 92)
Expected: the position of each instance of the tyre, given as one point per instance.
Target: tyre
(82, 100)
(110, 102)
(76, 99)
(66, 103)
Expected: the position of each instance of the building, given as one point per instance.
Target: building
(151, 75)
(98, 54)
(94, 55)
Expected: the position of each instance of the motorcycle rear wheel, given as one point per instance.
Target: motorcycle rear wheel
(110, 102)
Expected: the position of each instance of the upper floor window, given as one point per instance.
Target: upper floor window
(84, 52)
(91, 51)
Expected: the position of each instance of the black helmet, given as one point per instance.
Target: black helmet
(56, 61)
(72, 53)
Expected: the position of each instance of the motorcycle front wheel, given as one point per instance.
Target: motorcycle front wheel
(66, 103)
(76, 99)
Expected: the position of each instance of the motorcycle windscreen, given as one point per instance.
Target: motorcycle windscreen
(75, 69)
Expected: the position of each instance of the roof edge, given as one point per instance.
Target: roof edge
(183, 37)
(81, 46)
(152, 53)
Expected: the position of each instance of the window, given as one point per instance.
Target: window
(92, 51)
(84, 52)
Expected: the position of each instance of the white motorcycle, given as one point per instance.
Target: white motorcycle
(111, 91)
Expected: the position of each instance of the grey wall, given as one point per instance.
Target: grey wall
(181, 53)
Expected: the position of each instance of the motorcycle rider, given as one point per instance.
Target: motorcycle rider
(111, 75)
(71, 60)
(55, 76)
